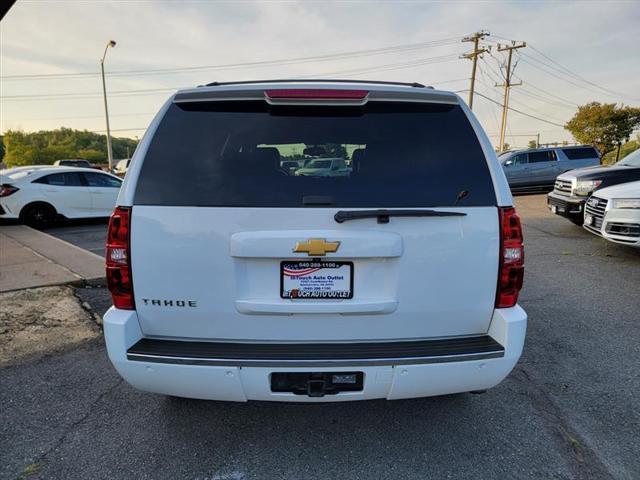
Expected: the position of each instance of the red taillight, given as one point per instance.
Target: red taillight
(6, 190)
(119, 259)
(317, 94)
(511, 271)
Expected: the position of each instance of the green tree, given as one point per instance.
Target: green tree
(47, 146)
(335, 150)
(604, 125)
(532, 144)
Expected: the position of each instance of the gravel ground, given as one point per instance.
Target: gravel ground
(42, 321)
(568, 411)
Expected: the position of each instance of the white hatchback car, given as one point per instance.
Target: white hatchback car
(234, 280)
(38, 195)
(614, 213)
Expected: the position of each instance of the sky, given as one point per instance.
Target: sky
(576, 52)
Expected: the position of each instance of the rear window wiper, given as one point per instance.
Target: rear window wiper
(383, 215)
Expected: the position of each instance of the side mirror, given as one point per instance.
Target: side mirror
(508, 163)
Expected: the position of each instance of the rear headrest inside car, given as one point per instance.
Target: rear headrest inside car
(356, 157)
(265, 158)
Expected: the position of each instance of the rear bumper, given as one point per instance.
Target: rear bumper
(431, 368)
(8, 211)
(569, 207)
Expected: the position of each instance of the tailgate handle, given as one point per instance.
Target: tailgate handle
(383, 215)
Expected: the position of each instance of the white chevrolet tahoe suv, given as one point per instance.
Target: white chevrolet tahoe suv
(233, 279)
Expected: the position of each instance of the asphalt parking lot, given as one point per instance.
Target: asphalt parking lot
(568, 411)
(87, 234)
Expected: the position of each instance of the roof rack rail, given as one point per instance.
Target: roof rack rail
(315, 80)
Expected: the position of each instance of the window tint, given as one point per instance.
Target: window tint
(580, 153)
(232, 154)
(520, 159)
(544, 156)
(67, 179)
(101, 180)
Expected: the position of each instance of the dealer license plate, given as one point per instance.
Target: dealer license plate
(316, 280)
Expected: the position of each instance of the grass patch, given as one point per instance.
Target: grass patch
(30, 469)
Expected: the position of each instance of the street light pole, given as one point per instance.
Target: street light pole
(112, 44)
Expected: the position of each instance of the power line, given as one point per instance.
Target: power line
(544, 96)
(521, 112)
(559, 68)
(387, 67)
(491, 72)
(83, 117)
(84, 96)
(87, 94)
(483, 80)
(263, 63)
(517, 102)
(122, 93)
(576, 76)
(120, 130)
(531, 85)
(540, 98)
(553, 73)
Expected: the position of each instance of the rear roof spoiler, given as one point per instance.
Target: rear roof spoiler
(256, 91)
(317, 80)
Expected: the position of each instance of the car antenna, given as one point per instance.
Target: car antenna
(460, 196)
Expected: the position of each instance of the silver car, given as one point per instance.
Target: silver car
(539, 167)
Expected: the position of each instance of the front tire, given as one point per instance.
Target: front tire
(38, 215)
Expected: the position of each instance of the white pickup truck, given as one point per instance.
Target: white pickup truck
(233, 279)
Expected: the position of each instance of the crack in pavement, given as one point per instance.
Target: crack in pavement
(90, 409)
(95, 318)
(581, 459)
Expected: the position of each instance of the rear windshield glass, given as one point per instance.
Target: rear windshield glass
(250, 154)
(580, 153)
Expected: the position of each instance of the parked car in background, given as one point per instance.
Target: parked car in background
(324, 167)
(572, 189)
(537, 168)
(72, 163)
(22, 168)
(614, 213)
(121, 167)
(399, 280)
(289, 166)
(39, 196)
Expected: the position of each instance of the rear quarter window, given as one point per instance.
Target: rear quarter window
(67, 179)
(232, 155)
(543, 156)
(580, 153)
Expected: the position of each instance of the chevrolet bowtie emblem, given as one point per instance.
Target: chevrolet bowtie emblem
(316, 247)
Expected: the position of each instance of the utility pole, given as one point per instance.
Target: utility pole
(538, 140)
(111, 44)
(507, 85)
(473, 56)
